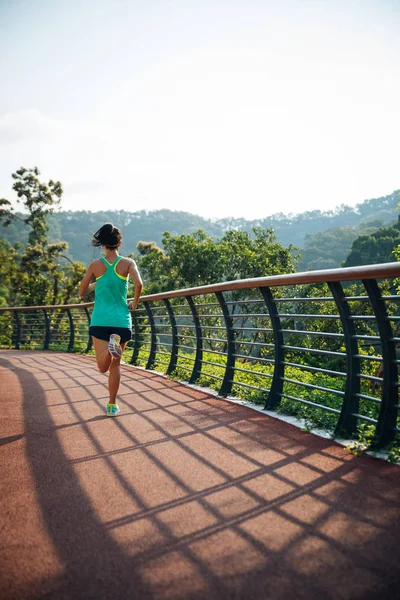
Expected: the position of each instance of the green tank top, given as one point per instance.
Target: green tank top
(110, 304)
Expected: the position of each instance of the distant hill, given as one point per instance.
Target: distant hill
(305, 231)
(293, 229)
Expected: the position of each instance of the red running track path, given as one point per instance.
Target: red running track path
(184, 496)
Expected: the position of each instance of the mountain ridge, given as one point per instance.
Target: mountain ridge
(302, 230)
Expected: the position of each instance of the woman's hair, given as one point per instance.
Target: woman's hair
(108, 236)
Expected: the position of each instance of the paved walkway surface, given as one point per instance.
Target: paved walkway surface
(184, 496)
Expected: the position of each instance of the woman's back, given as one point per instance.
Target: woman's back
(110, 306)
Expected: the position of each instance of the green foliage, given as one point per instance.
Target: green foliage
(34, 276)
(365, 438)
(396, 254)
(375, 248)
(191, 260)
(393, 452)
(8, 270)
(328, 249)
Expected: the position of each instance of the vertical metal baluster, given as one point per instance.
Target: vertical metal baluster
(46, 342)
(347, 421)
(136, 340)
(199, 341)
(227, 383)
(16, 335)
(276, 389)
(385, 429)
(90, 341)
(175, 339)
(71, 331)
(153, 346)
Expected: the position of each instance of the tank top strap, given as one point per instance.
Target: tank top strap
(110, 265)
(115, 269)
(104, 261)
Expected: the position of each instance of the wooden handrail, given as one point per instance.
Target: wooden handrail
(381, 271)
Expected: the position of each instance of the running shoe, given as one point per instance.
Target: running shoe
(112, 410)
(114, 346)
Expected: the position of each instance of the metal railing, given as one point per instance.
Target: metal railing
(325, 341)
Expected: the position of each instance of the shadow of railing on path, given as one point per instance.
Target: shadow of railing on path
(89, 554)
(185, 496)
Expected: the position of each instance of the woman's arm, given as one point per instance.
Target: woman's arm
(134, 273)
(86, 285)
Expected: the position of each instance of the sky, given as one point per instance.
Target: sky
(222, 108)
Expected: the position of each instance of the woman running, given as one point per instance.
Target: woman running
(111, 322)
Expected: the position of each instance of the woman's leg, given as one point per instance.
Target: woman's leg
(114, 376)
(103, 356)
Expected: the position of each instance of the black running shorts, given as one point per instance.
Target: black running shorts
(103, 333)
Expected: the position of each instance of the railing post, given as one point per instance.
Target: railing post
(16, 330)
(90, 341)
(136, 340)
(227, 382)
(153, 346)
(274, 396)
(174, 349)
(199, 341)
(347, 420)
(385, 429)
(46, 342)
(71, 331)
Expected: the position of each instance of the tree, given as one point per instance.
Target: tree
(8, 270)
(38, 198)
(375, 248)
(191, 260)
(328, 249)
(36, 277)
